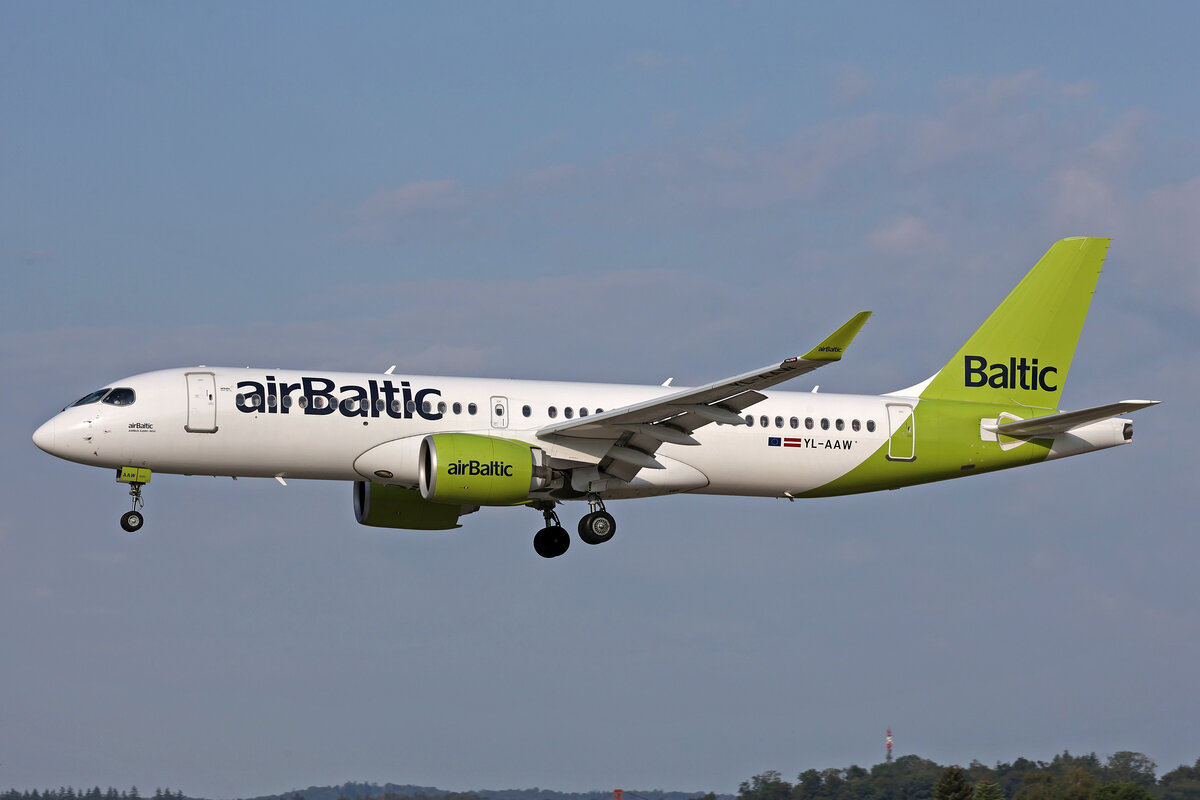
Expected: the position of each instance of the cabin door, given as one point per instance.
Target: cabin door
(202, 403)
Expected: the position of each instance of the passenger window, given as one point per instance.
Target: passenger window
(840, 425)
(553, 412)
(498, 410)
(410, 406)
(854, 425)
(302, 401)
(583, 412)
(568, 413)
(749, 421)
(271, 401)
(795, 423)
(764, 422)
(808, 423)
(526, 411)
(472, 408)
(870, 426)
(380, 404)
(599, 410)
(120, 396)
(395, 406)
(824, 424)
(779, 422)
(441, 408)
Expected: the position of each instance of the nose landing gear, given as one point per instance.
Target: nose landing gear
(132, 521)
(136, 477)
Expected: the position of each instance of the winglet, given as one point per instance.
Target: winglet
(835, 344)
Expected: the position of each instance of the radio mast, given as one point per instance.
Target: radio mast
(889, 746)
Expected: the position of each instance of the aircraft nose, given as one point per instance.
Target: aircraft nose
(43, 437)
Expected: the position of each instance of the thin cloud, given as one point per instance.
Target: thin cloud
(549, 177)
(906, 236)
(852, 85)
(390, 214)
(653, 61)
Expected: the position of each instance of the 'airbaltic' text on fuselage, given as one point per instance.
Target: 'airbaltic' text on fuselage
(321, 396)
(1018, 373)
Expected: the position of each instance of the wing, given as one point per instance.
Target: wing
(1052, 424)
(636, 431)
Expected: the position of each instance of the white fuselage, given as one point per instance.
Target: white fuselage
(325, 425)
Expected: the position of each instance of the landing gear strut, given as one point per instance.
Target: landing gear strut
(132, 521)
(553, 540)
(597, 526)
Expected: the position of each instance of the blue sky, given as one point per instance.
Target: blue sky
(597, 192)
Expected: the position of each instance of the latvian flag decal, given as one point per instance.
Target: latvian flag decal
(775, 441)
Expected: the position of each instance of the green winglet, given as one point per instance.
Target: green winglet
(835, 344)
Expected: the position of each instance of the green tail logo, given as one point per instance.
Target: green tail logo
(1023, 351)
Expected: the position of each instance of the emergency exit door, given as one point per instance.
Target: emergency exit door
(499, 412)
(202, 403)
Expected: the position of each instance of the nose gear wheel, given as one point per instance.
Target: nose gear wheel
(131, 521)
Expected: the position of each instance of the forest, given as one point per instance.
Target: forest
(1124, 775)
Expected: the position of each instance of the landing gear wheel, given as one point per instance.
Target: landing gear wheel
(597, 527)
(132, 521)
(551, 541)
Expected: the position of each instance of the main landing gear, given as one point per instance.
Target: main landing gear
(132, 521)
(553, 540)
(596, 527)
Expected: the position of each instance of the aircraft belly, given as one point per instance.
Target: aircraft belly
(778, 466)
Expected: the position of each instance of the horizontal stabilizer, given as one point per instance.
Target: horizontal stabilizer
(1060, 423)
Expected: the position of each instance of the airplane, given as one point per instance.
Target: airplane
(423, 451)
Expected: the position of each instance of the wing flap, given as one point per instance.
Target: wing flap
(636, 431)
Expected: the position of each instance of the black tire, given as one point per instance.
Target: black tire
(597, 527)
(132, 521)
(551, 542)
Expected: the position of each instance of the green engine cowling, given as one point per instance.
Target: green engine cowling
(398, 507)
(468, 469)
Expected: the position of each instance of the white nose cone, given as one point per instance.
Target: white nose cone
(43, 437)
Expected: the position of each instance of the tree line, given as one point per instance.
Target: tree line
(1125, 775)
(95, 793)
(1122, 776)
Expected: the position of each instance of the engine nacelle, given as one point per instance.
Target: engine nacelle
(397, 507)
(466, 468)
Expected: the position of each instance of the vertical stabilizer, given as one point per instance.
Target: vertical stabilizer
(1023, 351)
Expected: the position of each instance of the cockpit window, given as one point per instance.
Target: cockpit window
(121, 396)
(94, 397)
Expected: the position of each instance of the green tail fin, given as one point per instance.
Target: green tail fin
(1022, 352)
